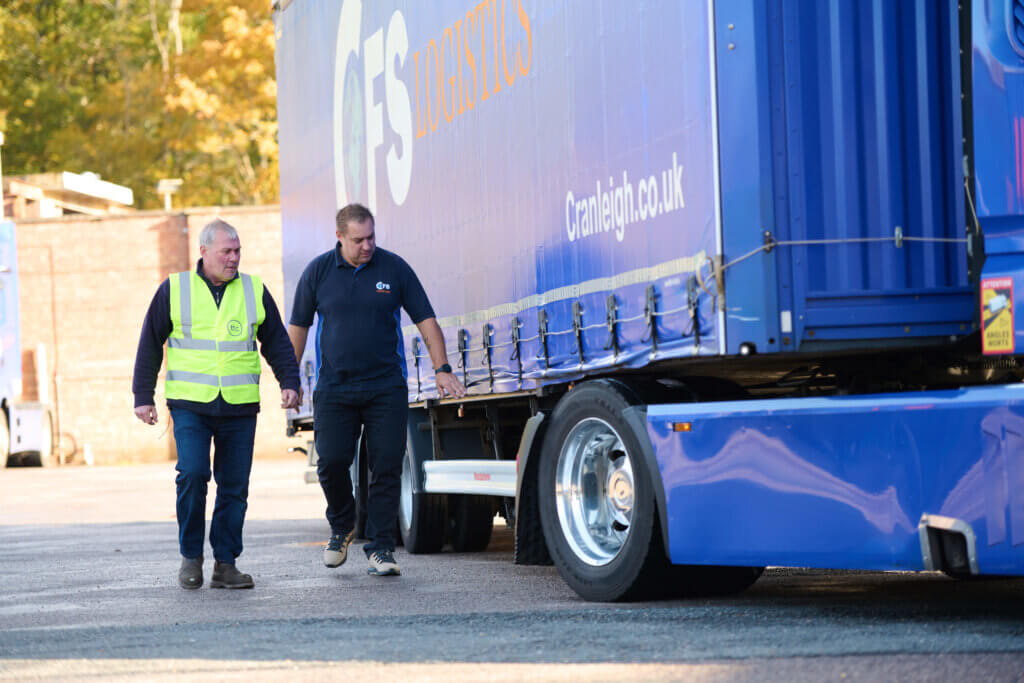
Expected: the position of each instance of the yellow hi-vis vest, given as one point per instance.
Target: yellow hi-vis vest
(212, 349)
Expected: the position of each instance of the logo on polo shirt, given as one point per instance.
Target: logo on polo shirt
(383, 288)
(234, 328)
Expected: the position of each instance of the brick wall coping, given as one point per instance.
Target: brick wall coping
(192, 211)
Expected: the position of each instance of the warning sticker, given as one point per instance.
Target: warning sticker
(997, 315)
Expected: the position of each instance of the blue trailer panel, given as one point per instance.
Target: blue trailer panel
(568, 161)
(551, 171)
(998, 81)
(841, 138)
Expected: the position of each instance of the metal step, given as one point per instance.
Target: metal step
(483, 477)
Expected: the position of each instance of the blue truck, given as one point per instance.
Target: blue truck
(731, 282)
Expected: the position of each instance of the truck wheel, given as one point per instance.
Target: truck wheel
(471, 522)
(421, 516)
(358, 474)
(597, 499)
(5, 438)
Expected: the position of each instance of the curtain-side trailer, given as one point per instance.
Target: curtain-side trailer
(731, 282)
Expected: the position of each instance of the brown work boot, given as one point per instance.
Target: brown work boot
(227, 576)
(190, 576)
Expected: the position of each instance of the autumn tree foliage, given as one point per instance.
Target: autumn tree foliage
(138, 90)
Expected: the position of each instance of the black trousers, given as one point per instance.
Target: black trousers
(338, 417)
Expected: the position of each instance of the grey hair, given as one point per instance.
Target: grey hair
(209, 232)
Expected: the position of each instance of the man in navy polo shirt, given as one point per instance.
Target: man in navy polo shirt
(357, 291)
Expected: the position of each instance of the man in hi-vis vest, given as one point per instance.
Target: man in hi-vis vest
(211, 319)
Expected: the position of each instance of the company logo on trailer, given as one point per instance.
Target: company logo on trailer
(359, 117)
(468, 60)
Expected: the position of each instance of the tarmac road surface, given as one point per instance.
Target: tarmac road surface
(88, 564)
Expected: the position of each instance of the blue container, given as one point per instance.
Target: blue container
(841, 131)
(998, 80)
(588, 186)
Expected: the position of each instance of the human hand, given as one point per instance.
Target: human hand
(147, 414)
(449, 385)
(290, 398)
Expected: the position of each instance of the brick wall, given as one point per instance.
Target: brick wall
(85, 285)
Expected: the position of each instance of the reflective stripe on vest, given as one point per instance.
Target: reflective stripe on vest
(210, 345)
(205, 354)
(212, 380)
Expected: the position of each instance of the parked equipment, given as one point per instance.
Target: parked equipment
(26, 426)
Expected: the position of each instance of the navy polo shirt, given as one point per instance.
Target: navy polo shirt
(359, 340)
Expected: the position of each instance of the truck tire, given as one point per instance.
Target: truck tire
(597, 500)
(422, 517)
(470, 523)
(5, 438)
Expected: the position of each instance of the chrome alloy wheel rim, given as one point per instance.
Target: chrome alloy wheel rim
(405, 500)
(594, 491)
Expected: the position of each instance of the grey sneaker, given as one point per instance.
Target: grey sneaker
(190, 576)
(382, 563)
(336, 551)
(228, 576)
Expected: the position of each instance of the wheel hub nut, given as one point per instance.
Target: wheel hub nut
(620, 488)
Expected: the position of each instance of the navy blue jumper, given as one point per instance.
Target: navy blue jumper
(361, 385)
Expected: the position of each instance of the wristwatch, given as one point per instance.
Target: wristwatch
(444, 368)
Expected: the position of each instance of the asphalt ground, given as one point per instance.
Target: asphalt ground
(88, 564)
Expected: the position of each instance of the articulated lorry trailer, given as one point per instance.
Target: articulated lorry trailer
(732, 283)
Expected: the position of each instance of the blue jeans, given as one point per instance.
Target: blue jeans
(233, 439)
(337, 419)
